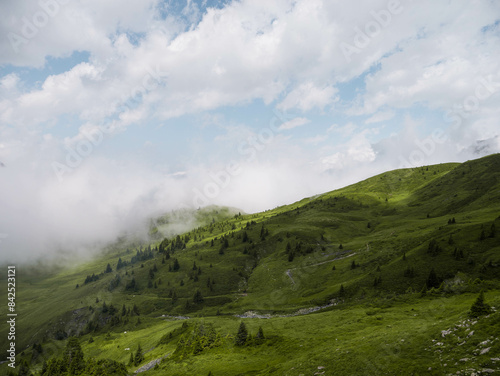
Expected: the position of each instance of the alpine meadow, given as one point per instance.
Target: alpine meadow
(397, 274)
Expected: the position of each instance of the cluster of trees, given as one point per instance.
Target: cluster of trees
(299, 249)
(177, 244)
(137, 358)
(142, 255)
(244, 338)
(203, 337)
(110, 316)
(91, 278)
(73, 362)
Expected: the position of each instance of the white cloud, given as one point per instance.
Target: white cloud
(294, 123)
(285, 54)
(380, 116)
(345, 130)
(308, 96)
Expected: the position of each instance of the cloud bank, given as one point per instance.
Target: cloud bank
(111, 114)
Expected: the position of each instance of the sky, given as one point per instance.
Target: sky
(111, 114)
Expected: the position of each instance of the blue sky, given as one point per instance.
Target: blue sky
(110, 114)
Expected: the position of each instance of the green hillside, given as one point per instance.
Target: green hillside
(376, 278)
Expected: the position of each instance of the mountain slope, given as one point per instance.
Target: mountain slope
(369, 254)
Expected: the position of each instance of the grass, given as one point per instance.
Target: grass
(294, 257)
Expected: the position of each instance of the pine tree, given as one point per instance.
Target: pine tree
(24, 369)
(479, 307)
(73, 356)
(342, 291)
(198, 298)
(176, 266)
(260, 334)
(108, 269)
(139, 357)
(432, 280)
(242, 335)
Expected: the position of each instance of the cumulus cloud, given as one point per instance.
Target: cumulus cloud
(150, 65)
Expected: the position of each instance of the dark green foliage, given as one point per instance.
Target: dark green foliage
(492, 231)
(353, 265)
(260, 335)
(434, 249)
(342, 291)
(244, 238)
(432, 280)
(91, 278)
(176, 266)
(73, 357)
(482, 236)
(198, 297)
(131, 285)
(480, 307)
(201, 338)
(409, 272)
(105, 367)
(458, 254)
(24, 369)
(108, 269)
(139, 356)
(242, 335)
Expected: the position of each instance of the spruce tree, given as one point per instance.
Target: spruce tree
(24, 369)
(139, 357)
(242, 335)
(432, 279)
(260, 334)
(198, 298)
(479, 307)
(342, 291)
(176, 266)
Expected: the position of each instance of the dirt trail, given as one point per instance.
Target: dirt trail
(321, 263)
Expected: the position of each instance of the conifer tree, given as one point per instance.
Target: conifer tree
(176, 266)
(260, 334)
(432, 279)
(139, 357)
(242, 335)
(342, 291)
(479, 307)
(198, 298)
